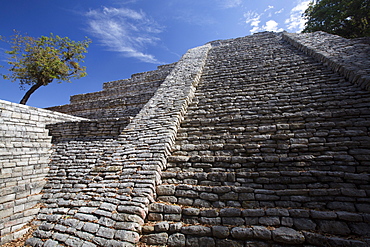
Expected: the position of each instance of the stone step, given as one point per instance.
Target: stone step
(148, 76)
(120, 91)
(107, 108)
(169, 224)
(259, 190)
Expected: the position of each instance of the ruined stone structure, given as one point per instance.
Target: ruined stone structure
(255, 141)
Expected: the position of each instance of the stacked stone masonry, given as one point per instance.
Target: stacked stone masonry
(244, 142)
(25, 148)
(118, 99)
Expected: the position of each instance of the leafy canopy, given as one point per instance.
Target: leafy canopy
(347, 18)
(39, 61)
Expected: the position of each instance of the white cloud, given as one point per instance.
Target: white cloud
(272, 25)
(230, 3)
(253, 19)
(124, 30)
(269, 7)
(295, 22)
(279, 11)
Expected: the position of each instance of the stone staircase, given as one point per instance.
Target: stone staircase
(274, 149)
(118, 99)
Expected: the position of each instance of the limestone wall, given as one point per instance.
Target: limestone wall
(25, 149)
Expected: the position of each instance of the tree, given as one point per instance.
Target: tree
(39, 61)
(347, 18)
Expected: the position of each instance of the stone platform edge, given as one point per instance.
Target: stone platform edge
(347, 57)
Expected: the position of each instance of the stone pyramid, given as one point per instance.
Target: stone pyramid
(255, 141)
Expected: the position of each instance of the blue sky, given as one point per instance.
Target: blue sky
(132, 36)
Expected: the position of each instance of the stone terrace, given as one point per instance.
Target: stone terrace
(255, 141)
(118, 98)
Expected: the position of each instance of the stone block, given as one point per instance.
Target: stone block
(230, 212)
(261, 232)
(253, 212)
(191, 211)
(210, 221)
(161, 226)
(155, 239)
(287, 236)
(361, 229)
(175, 227)
(166, 190)
(128, 236)
(333, 227)
(304, 224)
(196, 230)
(206, 242)
(172, 217)
(241, 233)
(73, 241)
(171, 209)
(51, 243)
(176, 240)
(106, 232)
(269, 221)
(90, 227)
(220, 231)
(323, 214)
(156, 207)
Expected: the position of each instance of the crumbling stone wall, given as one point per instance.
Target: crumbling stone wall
(25, 149)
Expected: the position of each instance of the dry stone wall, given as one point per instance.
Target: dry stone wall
(25, 149)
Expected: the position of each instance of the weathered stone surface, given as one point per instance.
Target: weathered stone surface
(220, 231)
(197, 230)
(166, 190)
(155, 239)
(261, 232)
(162, 226)
(176, 240)
(304, 224)
(241, 233)
(334, 227)
(287, 236)
(128, 236)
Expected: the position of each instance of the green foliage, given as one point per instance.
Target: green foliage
(347, 18)
(39, 61)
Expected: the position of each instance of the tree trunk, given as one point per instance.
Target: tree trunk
(29, 92)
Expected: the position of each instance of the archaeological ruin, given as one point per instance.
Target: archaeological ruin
(260, 141)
